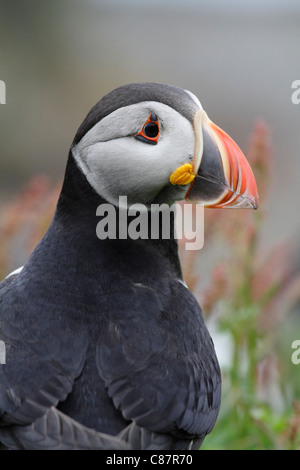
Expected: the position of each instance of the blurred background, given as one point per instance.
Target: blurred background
(240, 58)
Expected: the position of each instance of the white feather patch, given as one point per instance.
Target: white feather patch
(16, 271)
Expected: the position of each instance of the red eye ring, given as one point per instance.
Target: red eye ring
(150, 130)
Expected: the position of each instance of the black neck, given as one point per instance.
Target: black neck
(77, 207)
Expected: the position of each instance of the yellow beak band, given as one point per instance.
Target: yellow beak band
(183, 174)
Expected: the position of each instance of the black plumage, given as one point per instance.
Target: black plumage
(102, 338)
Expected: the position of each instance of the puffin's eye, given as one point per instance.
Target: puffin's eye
(150, 130)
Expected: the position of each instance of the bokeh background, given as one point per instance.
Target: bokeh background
(59, 57)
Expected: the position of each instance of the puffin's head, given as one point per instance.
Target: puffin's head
(155, 143)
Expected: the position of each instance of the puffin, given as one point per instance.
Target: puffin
(105, 345)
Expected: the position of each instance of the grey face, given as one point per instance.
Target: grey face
(116, 163)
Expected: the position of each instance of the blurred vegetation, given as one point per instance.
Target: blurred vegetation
(247, 293)
(250, 296)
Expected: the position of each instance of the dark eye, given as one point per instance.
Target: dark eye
(150, 130)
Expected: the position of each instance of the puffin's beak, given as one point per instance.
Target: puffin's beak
(223, 177)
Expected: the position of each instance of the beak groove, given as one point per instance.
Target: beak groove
(224, 177)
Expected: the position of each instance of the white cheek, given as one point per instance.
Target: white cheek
(178, 143)
(131, 168)
(125, 166)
